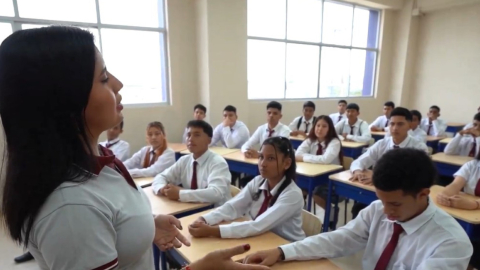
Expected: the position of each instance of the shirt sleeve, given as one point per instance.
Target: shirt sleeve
(232, 139)
(439, 127)
(365, 131)
(376, 123)
(77, 237)
(339, 128)
(453, 147)
(163, 162)
(184, 139)
(466, 170)
(123, 152)
(171, 175)
(218, 188)
(304, 148)
(293, 124)
(451, 254)
(330, 154)
(135, 162)
(367, 159)
(217, 135)
(285, 132)
(254, 140)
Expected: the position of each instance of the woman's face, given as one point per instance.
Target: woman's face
(104, 108)
(155, 137)
(321, 129)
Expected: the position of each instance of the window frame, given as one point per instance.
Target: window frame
(321, 44)
(17, 22)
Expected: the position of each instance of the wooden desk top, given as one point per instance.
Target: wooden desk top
(202, 246)
(312, 170)
(238, 156)
(298, 138)
(378, 133)
(162, 205)
(455, 124)
(453, 160)
(433, 138)
(353, 144)
(143, 181)
(446, 140)
(216, 149)
(177, 147)
(345, 176)
(470, 216)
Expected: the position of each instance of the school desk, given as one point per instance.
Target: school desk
(353, 149)
(377, 135)
(237, 162)
(143, 181)
(454, 127)
(177, 148)
(433, 141)
(162, 205)
(202, 246)
(215, 149)
(443, 143)
(297, 140)
(448, 165)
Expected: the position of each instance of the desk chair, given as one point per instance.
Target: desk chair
(234, 190)
(347, 162)
(430, 151)
(311, 225)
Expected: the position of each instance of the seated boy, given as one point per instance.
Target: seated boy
(231, 132)
(433, 125)
(353, 128)
(469, 125)
(467, 141)
(382, 121)
(199, 113)
(203, 175)
(302, 125)
(415, 132)
(341, 114)
(120, 148)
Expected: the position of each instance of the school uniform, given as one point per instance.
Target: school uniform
(301, 124)
(120, 148)
(94, 224)
(381, 122)
(431, 240)
(148, 162)
(184, 138)
(418, 134)
(337, 117)
(283, 218)
(263, 132)
(437, 128)
(231, 137)
(206, 179)
(359, 132)
(463, 145)
(467, 126)
(315, 152)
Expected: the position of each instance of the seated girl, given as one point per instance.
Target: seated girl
(272, 201)
(154, 158)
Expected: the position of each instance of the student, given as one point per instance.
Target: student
(433, 125)
(353, 128)
(415, 132)
(273, 128)
(203, 175)
(199, 113)
(272, 200)
(341, 114)
(231, 132)
(303, 124)
(120, 148)
(467, 141)
(467, 179)
(401, 230)
(469, 125)
(382, 121)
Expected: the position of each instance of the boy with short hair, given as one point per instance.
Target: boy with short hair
(302, 125)
(341, 114)
(415, 132)
(199, 113)
(433, 125)
(382, 121)
(352, 128)
(467, 141)
(231, 132)
(119, 147)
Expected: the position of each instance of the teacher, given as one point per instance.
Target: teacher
(66, 199)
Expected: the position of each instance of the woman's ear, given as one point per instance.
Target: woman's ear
(287, 162)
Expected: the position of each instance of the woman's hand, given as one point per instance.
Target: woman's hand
(167, 234)
(200, 230)
(444, 200)
(222, 260)
(265, 257)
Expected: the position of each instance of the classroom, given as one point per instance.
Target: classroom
(325, 90)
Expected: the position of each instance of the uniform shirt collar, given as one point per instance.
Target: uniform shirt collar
(274, 190)
(417, 222)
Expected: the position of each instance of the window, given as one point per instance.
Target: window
(130, 34)
(311, 49)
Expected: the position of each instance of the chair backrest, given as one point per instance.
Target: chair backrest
(372, 142)
(234, 190)
(347, 161)
(430, 151)
(311, 224)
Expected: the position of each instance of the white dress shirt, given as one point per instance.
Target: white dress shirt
(184, 139)
(283, 218)
(462, 145)
(374, 153)
(213, 179)
(438, 129)
(293, 125)
(381, 122)
(432, 240)
(261, 134)
(418, 134)
(467, 126)
(337, 117)
(308, 150)
(470, 171)
(361, 132)
(233, 137)
(120, 148)
(135, 163)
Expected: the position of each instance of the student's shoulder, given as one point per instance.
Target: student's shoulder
(445, 227)
(262, 127)
(169, 151)
(241, 124)
(124, 142)
(216, 158)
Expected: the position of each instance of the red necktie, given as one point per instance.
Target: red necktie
(396, 147)
(474, 148)
(108, 145)
(319, 150)
(339, 118)
(153, 159)
(193, 185)
(264, 206)
(429, 128)
(386, 124)
(270, 132)
(351, 130)
(477, 189)
(390, 248)
(306, 126)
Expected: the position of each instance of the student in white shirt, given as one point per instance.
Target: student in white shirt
(404, 229)
(203, 175)
(467, 141)
(415, 132)
(273, 128)
(352, 128)
(382, 121)
(302, 125)
(433, 125)
(467, 179)
(154, 158)
(120, 148)
(341, 114)
(271, 201)
(199, 113)
(231, 132)
(469, 125)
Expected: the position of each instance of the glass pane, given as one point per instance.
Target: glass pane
(302, 71)
(266, 69)
(134, 57)
(365, 28)
(94, 31)
(61, 10)
(5, 31)
(337, 24)
(133, 13)
(362, 73)
(334, 72)
(266, 18)
(304, 20)
(6, 8)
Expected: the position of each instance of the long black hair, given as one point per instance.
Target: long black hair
(282, 145)
(46, 76)
(331, 134)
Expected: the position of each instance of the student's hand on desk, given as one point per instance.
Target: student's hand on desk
(167, 234)
(301, 133)
(443, 200)
(222, 260)
(294, 133)
(361, 177)
(299, 158)
(264, 257)
(172, 192)
(251, 153)
(200, 230)
(200, 220)
(344, 135)
(460, 202)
